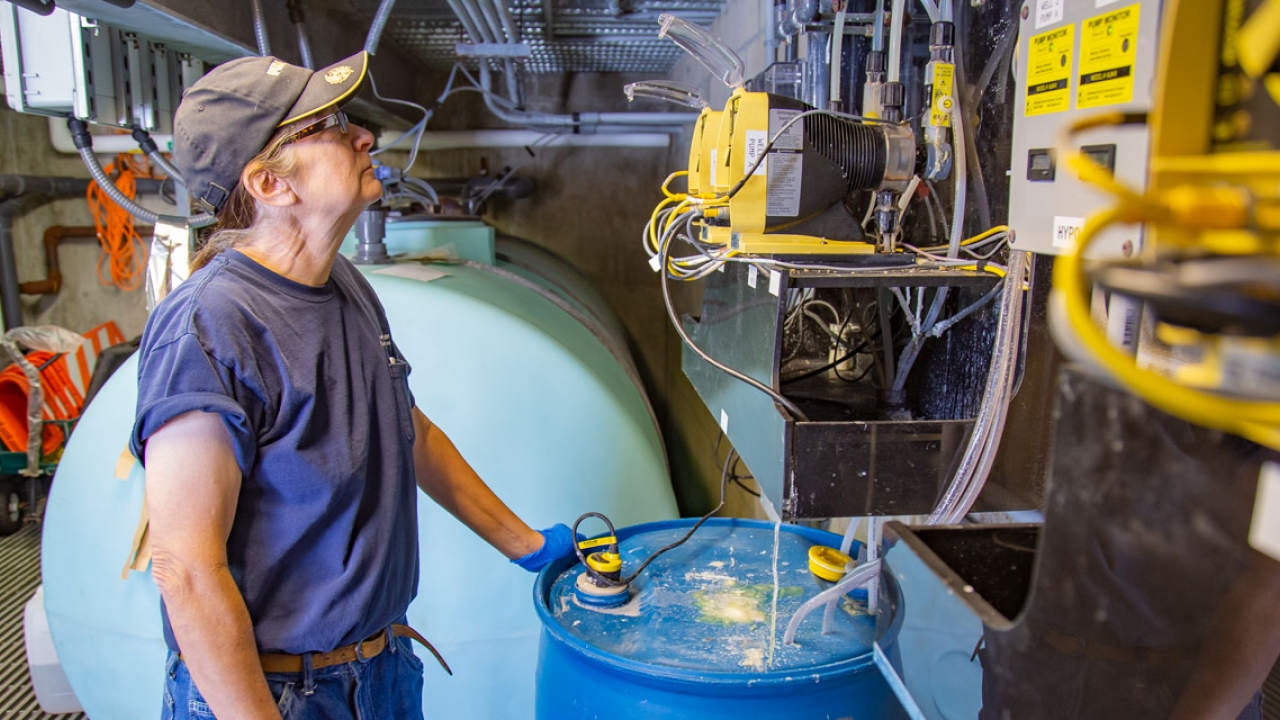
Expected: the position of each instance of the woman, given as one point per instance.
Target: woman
(277, 429)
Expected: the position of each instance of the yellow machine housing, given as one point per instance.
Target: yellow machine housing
(792, 202)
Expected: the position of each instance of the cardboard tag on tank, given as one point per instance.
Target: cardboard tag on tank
(140, 549)
(1108, 51)
(1049, 72)
(124, 464)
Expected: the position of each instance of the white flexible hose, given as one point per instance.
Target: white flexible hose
(895, 41)
(855, 579)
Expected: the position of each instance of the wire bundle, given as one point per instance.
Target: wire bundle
(124, 255)
(673, 219)
(1185, 207)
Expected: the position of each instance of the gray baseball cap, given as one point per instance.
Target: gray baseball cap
(228, 116)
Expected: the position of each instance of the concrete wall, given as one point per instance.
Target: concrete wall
(83, 302)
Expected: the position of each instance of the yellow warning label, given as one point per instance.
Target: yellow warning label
(941, 102)
(1108, 47)
(1049, 71)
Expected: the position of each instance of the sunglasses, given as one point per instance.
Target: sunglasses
(338, 119)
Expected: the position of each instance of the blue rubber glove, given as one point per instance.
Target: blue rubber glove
(557, 541)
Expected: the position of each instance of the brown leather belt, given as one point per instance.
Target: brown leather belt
(283, 663)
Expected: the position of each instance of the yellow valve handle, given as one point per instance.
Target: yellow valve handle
(598, 542)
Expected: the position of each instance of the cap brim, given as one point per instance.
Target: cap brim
(330, 87)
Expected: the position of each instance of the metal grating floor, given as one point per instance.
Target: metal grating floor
(19, 576)
(563, 35)
(1271, 694)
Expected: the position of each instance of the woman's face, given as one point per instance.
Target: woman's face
(334, 170)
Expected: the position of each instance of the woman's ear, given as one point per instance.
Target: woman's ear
(267, 187)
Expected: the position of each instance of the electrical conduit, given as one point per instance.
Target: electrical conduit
(84, 142)
(378, 25)
(260, 28)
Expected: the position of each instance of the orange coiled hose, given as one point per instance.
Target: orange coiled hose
(124, 255)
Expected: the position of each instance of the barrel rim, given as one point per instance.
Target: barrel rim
(770, 681)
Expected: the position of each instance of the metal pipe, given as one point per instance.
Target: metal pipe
(38, 7)
(21, 193)
(468, 24)
(579, 120)
(10, 300)
(260, 28)
(818, 65)
(491, 24)
(770, 33)
(378, 25)
(454, 139)
(508, 24)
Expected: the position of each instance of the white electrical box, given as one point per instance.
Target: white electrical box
(67, 65)
(1078, 58)
(39, 72)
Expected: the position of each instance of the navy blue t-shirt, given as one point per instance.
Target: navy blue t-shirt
(316, 398)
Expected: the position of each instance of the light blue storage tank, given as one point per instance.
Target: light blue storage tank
(545, 409)
(699, 638)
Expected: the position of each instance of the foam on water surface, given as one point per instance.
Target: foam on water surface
(709, 604)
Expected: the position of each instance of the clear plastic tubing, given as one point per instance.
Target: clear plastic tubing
(971, 474)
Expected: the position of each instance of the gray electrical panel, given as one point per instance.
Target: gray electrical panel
(1078, 58)
(64, 65)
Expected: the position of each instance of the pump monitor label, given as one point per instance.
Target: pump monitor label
(940, 101)
(1049, 72)
(1108, 51)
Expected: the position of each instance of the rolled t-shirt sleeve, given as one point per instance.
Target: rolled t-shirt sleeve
(180, 376)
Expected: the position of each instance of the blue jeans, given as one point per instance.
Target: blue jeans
(386, 687)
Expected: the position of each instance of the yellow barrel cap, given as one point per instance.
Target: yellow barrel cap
(828, 563)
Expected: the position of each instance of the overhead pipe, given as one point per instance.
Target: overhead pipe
(457, 139)
(10, 300)
(468, 23)
(260, 28)
(508, 23)
(38, 7)
(578, 121)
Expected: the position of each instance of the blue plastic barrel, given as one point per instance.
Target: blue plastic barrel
(698, 640)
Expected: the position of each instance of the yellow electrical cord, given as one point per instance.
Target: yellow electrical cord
(673, 176)
(1255, 420)
(984, 267)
